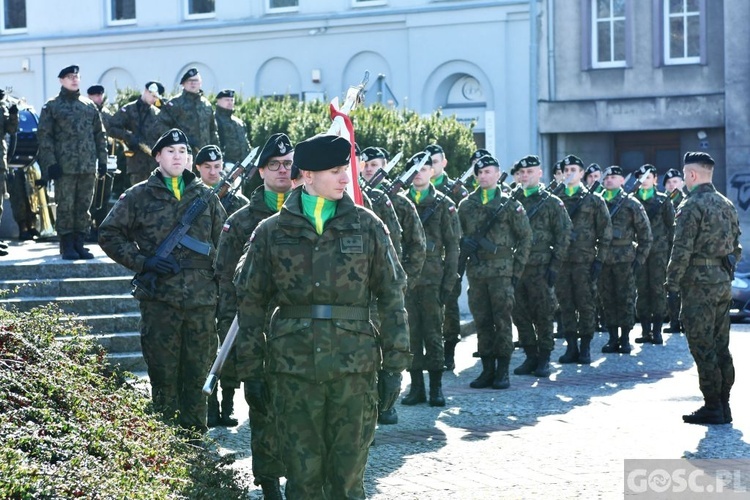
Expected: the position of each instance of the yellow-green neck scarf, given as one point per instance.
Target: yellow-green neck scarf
(318, 210)
(488, 195)
(417, 195)
(646, 194)
(438, 181)
(570, 191)
(531, 191)
(274, 200)
(610, 194)
(176, 185)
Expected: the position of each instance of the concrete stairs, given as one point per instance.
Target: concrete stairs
(95, 291)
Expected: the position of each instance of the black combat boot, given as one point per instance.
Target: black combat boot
(529, 364)
(584, 354)
(416, 391)
(484, 379)
(711, 412)
(436, 388)
(213, 417)
(625, 347)
(571, 350)
(658, 321)
(501, 380)
(674, 327)
(725, 407)
(611, 345)
(227, 407)
(542, 368)
(82, 251)
(271, 489)
(449, 349)
(647, 333)
(67, 249)
(559, 334)
(389, 417)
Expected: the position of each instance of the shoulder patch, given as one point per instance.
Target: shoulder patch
(520, 208)
(452, 208)
(560, 202)
(226, 227)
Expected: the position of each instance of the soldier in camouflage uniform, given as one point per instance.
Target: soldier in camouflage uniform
(318, 264)
(97, 96)
(582, 265)
(137, 124)
(209, 163)
(706, 248)
(178, 315)
(493, 269)
(651, 302)
(534, 295)
(8, 125)
(446, 185)
(674, 185)
(232, 133)
(424, 300)
(191, 112)
(592, 174)
(274, 161)
(631, 242)
(71, 142)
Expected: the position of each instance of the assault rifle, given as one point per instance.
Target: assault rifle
(405, 179)
(480, 236)
(458, 186)
(228, 187)
(590, 191)
(382, 173)
(617, 206)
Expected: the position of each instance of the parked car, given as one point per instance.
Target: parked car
(740, 308)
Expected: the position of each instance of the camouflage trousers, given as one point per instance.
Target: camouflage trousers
(705, 314)
(73, 194)
(534, 309)
(102, 194)
(325, 429)
(452, 316)
(617, 295)
(19, 200)
(577, 295)
(265, 443)
(178, 345)
(425, 313)
(3, 190)
(491, 301)
(649, 282)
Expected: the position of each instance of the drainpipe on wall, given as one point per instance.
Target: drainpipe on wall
(533, 72)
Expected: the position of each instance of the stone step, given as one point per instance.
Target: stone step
(112, 323)
(66, 287)
(127, 361)
(119, 342)
(79, 305)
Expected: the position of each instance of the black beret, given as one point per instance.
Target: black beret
(357, 151)
(155, 87)
(417, 158)
(485, 161)
(573, 160)
(558, 166)
(644, 169)
(672, 172)
(170, 138)
(2, 94)
(478, 154)
(67, 71)
(188, 74)
(189, 149)
(613, 170)
(95, 89)
(276, 145)
(515, 168)
(371, 153)
(208, 153)
(594, 167)
(386, 153)
(529, 161)
(225, 93)
(434, 149)
(294, 173)
(322, 152)
(698, 157)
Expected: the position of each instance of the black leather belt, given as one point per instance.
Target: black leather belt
(324, 311)
(196, 264)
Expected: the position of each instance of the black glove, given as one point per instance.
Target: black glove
(54, 171)
(596, 270)
(101, 169)
(41, 182)
(256, 394)
(551, 277)
(513, 281)
(469, 244)
(134, 143)
(635, 266)
(161, 265)
(13, 109)
(389, 387)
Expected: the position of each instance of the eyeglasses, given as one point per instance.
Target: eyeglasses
(274, 165)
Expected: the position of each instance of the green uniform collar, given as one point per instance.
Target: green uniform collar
(531, 191)
(418, 196)
(318, 210)
(646, 194)
(439, 180)
(487, 195)
(176, 186)
(611, 194)
(274, 200)
(570, 191)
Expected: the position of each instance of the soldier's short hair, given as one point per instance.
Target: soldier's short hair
(700, 158)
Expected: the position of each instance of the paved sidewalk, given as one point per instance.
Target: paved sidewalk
(565, 437)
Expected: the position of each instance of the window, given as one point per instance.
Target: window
(608, 34)
(13, 16)
(275, 6)
(200, 9)
(683, 31)
(120, 12)
(368, 3)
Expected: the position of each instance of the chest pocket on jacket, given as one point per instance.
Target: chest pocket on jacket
(352, 244)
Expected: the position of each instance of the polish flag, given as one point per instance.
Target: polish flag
(342, 126)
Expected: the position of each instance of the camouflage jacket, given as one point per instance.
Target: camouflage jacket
(510, 233)
(445, 186)
(288, 264)
(550, 227)
(631, 231)
(441, 234)
(678, 198)
(232, 136)
(8, 125)
(71, 134)
(144, 216)
(592, 228)
(386, 213)
(706, 230)
(661, 218)
(193, 114)
(137, 123)
(237, 201)
(413, 240)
